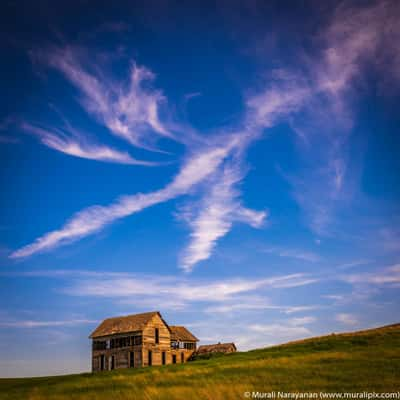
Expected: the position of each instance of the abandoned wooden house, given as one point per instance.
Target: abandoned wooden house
(139, 340)
(216, 348)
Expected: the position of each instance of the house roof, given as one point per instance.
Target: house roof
(216, 348)
(124, 324)
(182, 334)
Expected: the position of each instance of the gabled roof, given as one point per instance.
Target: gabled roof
(124, 324)
(182, 334)
(216, 348)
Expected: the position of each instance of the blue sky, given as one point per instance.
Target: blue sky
(233, 165)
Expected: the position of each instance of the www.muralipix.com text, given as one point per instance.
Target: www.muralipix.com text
(321, 395)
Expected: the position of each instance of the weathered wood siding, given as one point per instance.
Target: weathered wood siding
(121, 358)
(121, 355)
(149, 342)
(178, 352)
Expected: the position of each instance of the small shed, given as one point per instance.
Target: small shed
(216, 348)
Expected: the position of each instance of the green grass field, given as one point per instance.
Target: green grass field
(354, 362)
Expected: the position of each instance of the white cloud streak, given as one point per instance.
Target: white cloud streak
(44, 324)
(346, 319)
(389, 276)
(177, 292)
(79, 146)
(280, 99)
(132, 112)
(355, 263)
(129, 110)
(92, 219)
(355, 37)
(301, 320)
(122, 110)
(217, 211)
(251, 303)
(293, 253)
(283, 331)
(182, 291)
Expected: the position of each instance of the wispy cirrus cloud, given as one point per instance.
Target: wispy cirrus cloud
(293, 253)
(216, 212)
(132, 112)
(247, 335)
(249, 303)
(356, 39)
(366, 286)
(129, 110)
(302, 320)
(79, 146)
(44, 324)
(283, 95)
(233, 294)
(358, 36)
(388, 276)
(347, 319)
(318, 102)
(355, 263)
(182, 290)
(280, 330)
(291, 327)
(277, 331)
(92, 219)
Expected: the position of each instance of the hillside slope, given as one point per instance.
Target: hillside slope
(351, 362)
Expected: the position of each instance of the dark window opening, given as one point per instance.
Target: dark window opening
(163, 355)
(174, 359)
(99, 345)
(131, 359)
(150, 357)
(102, 362)
(136, 340)
(117, 343)
(112, 362)
(157, 336)
(182, 358)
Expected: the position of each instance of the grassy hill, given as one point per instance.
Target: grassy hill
(350, 362)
